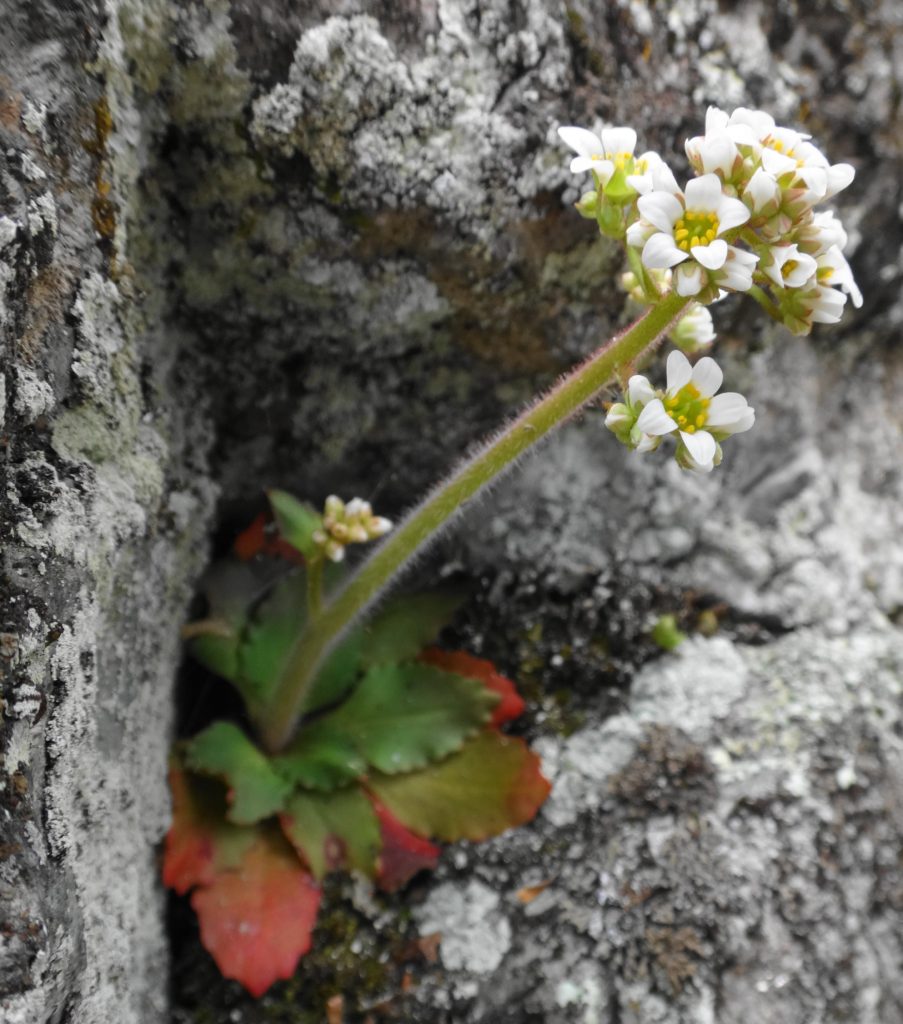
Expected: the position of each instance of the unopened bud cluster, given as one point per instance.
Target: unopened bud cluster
(747, 219)
(343, 524)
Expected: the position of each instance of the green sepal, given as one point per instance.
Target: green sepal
(618, 190)
(256, 791)
(297, 522)
(493, 783)
(610, 220)
(334, 830)
(407, 624)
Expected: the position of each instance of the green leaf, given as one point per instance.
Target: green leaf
(322, 758)
(408, 624)
(230, 589)
(337, 675)
(492, 784)
(297, 521)
(334, 830)
(269, 636)
(255, 790)
(401, 717)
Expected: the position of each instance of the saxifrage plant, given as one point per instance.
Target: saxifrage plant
(362, 742)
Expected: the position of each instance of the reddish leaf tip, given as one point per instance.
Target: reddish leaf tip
(404, 854)
(510, 706)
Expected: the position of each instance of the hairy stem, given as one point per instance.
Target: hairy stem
(314, 587)
(380, 571)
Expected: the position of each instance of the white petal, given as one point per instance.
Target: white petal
(704, 192)
(618, 413)
(581, 141)
(816, 179)
(715, 119)
(711, 256)
(660, 252)
(654, 420)
(639, 232)
(741, 256)
(707, 376)
(726, 409)
(839, 176)
(700, 445)
(760, 122)
(689, 279)
(804, 269)
(776, 163)
(762, 189)
(679, 371)
(718, 154)
(661, 209)
(663, 179)
(639, 390)
(731, 214)
(745, 422)
(618, 140)
(773, 270)
(579, 164)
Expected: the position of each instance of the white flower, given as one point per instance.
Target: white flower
(651, 172)
(737, 273)
(690, 409)
(695, 330)
(689, 226)
(825, 305)
(833, 269)
(787, 266)
(821, 233)
(817, 304)
(763, 193)
(602, 155)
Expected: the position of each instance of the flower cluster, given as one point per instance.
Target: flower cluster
(688, 408)
(343, 524)
(746, 223)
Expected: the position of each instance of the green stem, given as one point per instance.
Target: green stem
(765, 302)
(280, 720)
(315, 587)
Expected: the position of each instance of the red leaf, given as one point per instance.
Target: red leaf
(261, 538)
(510, 706)
(200, 842)
(403, 854)
(256, 921)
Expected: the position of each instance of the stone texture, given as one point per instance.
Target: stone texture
(326, 247)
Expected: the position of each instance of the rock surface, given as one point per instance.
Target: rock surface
(326, 247)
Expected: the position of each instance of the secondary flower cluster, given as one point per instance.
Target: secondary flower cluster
(343, 524)
(688, 408)
(748, 219)
(746, 223)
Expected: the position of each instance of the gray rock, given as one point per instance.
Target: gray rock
(327, 247)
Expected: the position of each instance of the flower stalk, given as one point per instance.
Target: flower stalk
(379, 572)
